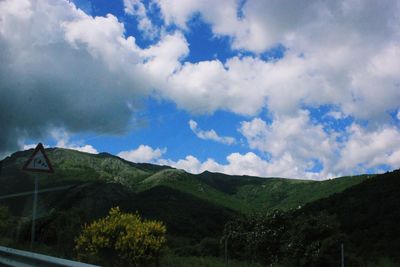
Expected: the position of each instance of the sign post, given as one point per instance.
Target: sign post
(38, 162)
(34, 211)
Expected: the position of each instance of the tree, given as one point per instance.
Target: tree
(286, 238)
(257, 237)
(121, 239)
(59, 229)
(313, 240)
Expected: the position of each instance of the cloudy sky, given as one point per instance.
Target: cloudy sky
(304, 89)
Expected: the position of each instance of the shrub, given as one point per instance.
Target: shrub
(121, 239)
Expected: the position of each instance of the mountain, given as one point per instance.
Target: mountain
(237, 193)
(193, 207)
(368, 213)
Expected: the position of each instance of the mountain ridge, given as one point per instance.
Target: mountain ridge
(194, 207)
(244, 194)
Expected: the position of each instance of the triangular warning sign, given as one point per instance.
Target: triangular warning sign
(38, 162)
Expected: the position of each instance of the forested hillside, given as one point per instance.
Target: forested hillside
(361, 210)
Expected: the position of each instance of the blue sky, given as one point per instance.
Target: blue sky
(303, 90)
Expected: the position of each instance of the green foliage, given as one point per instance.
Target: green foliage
(279, 238)
(185, 261)
(184, 215)
(5, 219)
(257, 237)
(363, 208)
(313, 240)
(368, 214)
(206, 247)
(121, 239)
(243, 194)
(383, 262)
(59, 229)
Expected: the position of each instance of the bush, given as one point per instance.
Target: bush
(121, 239)
(59, 229)
(280, 238)
(313, 240)
(257, 237)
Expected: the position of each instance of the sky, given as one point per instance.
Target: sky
(304, 89)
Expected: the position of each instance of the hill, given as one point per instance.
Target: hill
(238, 193)
(194, 207)
(368, 214)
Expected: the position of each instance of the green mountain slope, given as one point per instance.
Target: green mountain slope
(263, 194)
(192, 206)
(240, 193)
(368, 214)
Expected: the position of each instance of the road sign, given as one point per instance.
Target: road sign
(38, 162)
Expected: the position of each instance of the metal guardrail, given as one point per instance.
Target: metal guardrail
(20, 258)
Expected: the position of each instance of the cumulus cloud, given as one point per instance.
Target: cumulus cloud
(370, 149)
(243, 164)
(258, 24)
(295, 140)
(62, 68)
(210, 134)
(293, 145)
(62, 139)
(143, 153)
(138, 9)
(353, 65)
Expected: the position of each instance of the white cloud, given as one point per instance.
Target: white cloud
(162, 59)
(138, 9)
(31, 146)
(82, 148)
(299, 141)
(353, 65)
(210, 134)
(222, 14)
(337, 115)
(295, 138)
(65, 69)
(398, 115)
(370, 149)
(62, 139)
(292, 144)
(143, 153)
(243, 164)
(260, 24)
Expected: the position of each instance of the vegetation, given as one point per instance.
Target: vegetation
(368, 214)
(283, 222)
(121, 239)
(280, 238)
(5, 219)
(364, 218)
(242, 194)
(202, 261)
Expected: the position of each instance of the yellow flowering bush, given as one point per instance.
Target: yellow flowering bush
(121, 239)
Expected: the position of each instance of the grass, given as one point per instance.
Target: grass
(383, 262)
(180, 261)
